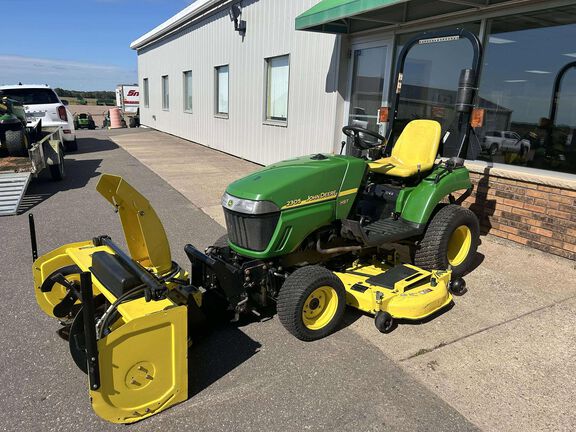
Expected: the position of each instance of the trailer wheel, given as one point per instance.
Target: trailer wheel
(311, 303)
(16, 142)
(57, 171)
(451, 240)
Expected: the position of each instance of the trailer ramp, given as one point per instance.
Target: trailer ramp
(12, 189)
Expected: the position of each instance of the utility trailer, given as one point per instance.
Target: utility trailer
(46, 151)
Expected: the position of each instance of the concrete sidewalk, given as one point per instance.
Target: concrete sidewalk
(197, 172)
(502, 356)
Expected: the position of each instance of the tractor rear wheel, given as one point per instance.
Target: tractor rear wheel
(451, 240)
(311, 303)
(16, 142)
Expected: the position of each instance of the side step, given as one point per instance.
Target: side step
(12, 189)
(382, 231)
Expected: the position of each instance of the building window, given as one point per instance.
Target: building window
(145, 90)
(165, 93)
(188, 91)
(524, 54)
(222, 90)
(277, 78)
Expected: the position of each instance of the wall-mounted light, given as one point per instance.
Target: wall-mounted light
(235, 14)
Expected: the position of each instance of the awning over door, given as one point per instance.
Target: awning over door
(335, 16)
(351, 16)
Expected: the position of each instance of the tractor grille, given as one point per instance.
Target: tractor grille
(252, 232)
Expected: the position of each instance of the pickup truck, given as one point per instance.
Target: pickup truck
(504, 141)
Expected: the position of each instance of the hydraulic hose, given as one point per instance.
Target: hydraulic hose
(103, 321)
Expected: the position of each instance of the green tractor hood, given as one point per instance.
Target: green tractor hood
(311, 192)
(301, 181)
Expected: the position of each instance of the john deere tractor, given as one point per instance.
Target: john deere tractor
(306, 237)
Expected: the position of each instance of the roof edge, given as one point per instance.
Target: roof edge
(184, 16)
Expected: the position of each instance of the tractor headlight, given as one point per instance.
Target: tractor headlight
(245, 206)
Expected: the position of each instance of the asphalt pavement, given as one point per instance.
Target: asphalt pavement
(255, 377)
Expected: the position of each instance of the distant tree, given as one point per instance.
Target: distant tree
(100, 94)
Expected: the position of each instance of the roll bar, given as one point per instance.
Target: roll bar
(439, 36)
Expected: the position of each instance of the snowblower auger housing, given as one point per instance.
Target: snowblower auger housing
(127, 315)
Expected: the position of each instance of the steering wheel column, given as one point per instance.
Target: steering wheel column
(359, 138)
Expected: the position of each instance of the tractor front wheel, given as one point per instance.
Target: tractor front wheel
(451, 240)
(311, 303)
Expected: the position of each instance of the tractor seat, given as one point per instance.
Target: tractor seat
(416, 146)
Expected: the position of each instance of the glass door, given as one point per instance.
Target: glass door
(369, 84)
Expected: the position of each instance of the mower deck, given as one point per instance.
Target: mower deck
(404, 291)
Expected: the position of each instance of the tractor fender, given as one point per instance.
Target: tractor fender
(420, 204)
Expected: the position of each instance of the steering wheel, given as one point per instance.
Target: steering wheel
(356, 133)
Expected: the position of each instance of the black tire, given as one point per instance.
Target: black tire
(384, 322)
(493, 149)
(295, 298)
(433, 251)
(16, 143)
(458, 286)
(57, 171)
(132, 122)
(71, 146)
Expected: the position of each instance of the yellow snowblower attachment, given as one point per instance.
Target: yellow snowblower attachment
(127, 315)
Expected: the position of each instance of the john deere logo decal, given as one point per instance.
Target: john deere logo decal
(229, 203)
(311, 199)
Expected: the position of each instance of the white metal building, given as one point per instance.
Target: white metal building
(267, 95)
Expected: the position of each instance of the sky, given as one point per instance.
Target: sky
(76, 45)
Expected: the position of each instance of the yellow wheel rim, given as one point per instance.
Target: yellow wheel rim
(319, 308)
(459, 245)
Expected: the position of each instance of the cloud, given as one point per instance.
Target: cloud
(63, 73)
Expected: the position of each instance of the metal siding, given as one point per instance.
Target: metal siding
(213, 42)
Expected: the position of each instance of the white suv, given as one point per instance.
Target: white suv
(41, 102)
